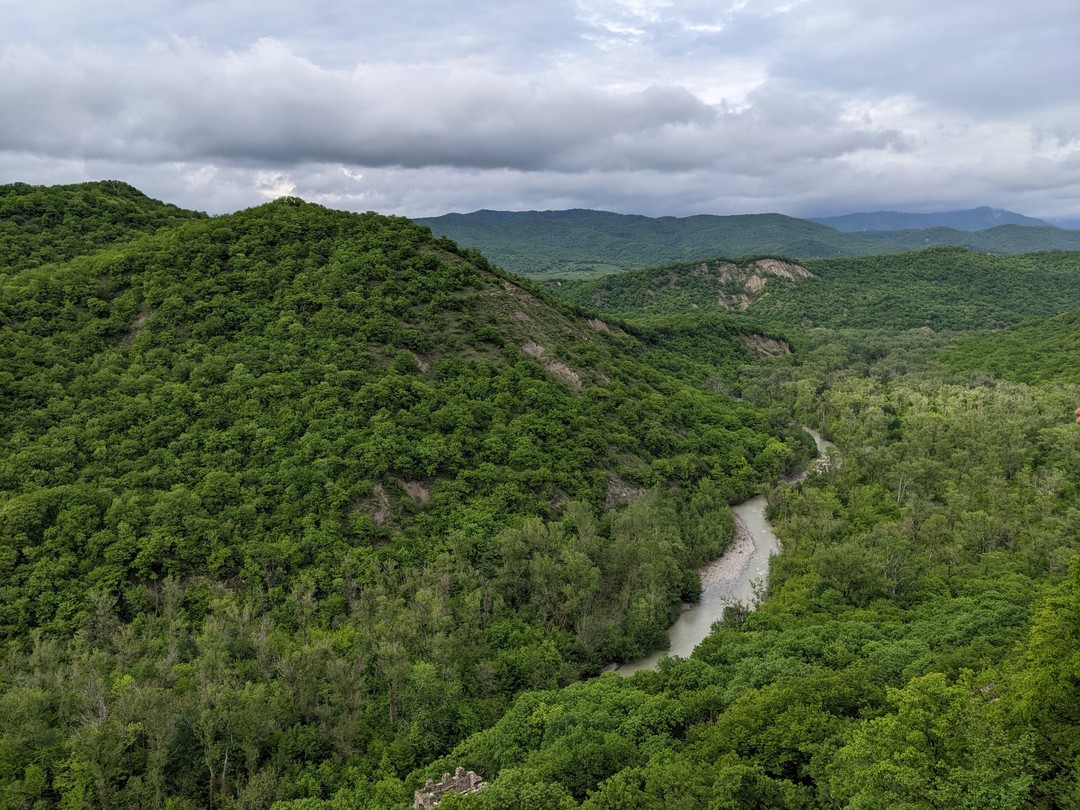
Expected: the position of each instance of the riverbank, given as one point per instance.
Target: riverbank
(729, 579)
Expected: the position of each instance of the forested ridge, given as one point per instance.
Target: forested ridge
(299, 508)
(582, 243)
(293, 499)
(940, 288)
(42, 224)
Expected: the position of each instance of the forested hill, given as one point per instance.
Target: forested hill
(293, 499)
(584, 243)
(940, 288)
(1039, 350)
(973, 219)
(40, 224)
(588, 242)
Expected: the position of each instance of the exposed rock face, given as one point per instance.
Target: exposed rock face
(765, 346)
(556, 367)
(740, 284)
(462, 782)
(378, 505)
(136, 327)
(416, 490)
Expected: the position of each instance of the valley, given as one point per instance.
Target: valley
(301, 508)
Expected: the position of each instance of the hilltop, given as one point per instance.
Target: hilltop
(41, 224)
(318, 487)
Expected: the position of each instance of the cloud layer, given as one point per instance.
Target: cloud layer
(638, 106)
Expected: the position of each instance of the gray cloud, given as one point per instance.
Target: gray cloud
(266, 105)
(634, 105)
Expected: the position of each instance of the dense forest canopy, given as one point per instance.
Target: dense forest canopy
(41, 224)
(940, 288)
(972, 219)
(293, 438)
(299, 508)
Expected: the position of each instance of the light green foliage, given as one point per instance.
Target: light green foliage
(941, 747)
(301, 508)
(293, 490)
(1048, 684)
(907, 653)
(39, 224)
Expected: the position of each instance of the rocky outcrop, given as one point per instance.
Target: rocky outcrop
(462, 782)
(740, 284)
(765, 346)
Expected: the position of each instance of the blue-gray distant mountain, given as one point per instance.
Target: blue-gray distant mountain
(974, 219)
(582, 243)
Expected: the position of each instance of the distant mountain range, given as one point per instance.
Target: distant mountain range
(973, 219)
(583, 243)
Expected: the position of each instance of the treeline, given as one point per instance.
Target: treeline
(293, 500)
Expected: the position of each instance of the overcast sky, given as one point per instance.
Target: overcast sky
(805, 107)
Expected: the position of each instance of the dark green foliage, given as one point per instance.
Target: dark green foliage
(584, 244)
(42, 224)
(912, 651)
(973, 219)
(589, 243)
(1044, 350)
(303, 507)
(940, 289)
(292, 500)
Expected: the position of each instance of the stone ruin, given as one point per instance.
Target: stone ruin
(462, 782)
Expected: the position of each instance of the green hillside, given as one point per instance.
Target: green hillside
(300, 508)
(294, 489)
(917, 647)
(940, 288)
(973, 219)
(582, 243)
(41, 224)
(1042, 350)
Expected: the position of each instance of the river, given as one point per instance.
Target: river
(728, 579)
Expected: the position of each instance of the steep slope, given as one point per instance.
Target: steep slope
(40, 224)
(582, 243)
(322, 493)
(973, 219)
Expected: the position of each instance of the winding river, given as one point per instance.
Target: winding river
(728, 579)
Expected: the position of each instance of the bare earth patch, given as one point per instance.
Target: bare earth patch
(379, 505)
(765, 346)
(620, 493)
(556, 367)
(136, 327)
(419, 493)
